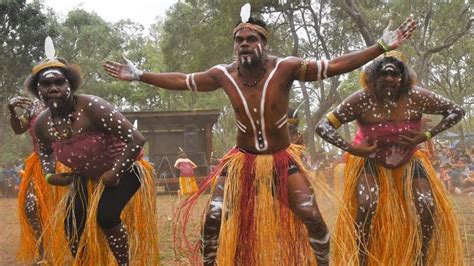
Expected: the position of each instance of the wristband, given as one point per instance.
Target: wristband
(48, 175)
(428, 135)
(382, 45)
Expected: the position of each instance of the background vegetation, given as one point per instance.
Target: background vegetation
(196, 34)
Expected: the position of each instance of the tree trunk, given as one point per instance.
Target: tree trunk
(309, 136)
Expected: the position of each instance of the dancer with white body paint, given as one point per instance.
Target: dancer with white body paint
(262, 209)
(35, 196)
(109, 212)
(401, 211)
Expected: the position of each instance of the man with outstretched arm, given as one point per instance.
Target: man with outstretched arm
(262, 178)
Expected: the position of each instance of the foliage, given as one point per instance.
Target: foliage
(196, 34)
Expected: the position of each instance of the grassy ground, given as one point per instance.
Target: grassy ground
(9, 230)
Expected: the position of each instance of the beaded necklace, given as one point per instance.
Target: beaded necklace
(257, 80)
(66, 131)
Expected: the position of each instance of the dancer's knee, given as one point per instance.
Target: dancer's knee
(307, 211)
(214, 212)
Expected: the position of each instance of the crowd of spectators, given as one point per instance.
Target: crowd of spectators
(10, 176)
(455, 168)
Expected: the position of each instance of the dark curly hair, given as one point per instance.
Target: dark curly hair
(72, 72)
(373, 70)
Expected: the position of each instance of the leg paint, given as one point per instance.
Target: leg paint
(303, 204)
(212, 225)
(425, 209)
(32, 214)
(367, 200)
(117, 238)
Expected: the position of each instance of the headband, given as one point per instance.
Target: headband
(47, 64)
(253, 27)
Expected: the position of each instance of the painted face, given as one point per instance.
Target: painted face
(248, 46)
(53, 88)
(389, 80)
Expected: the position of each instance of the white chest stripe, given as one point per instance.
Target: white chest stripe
(261, 142)
(262, 105)
(281, 119)
(283, 123)
(241, 126)
(244, 101)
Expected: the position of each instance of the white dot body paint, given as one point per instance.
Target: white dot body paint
(55, 104)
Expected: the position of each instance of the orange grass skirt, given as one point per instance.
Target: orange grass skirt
(139, 216)
(47, 196)
(395, 236)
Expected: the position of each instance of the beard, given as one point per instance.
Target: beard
(246, 60)
(252, 58)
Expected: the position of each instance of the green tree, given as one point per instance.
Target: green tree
(23, 28)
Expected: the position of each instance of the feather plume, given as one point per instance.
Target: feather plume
(49, 48)
(245, 13)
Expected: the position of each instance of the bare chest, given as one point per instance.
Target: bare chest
(260, 110)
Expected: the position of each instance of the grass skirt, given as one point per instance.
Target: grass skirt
(47, 196)
(395, 234)
(187, 185)
(139, 216)
(257, 227)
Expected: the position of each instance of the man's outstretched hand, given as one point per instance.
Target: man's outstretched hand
(127, 71)
(392, 39)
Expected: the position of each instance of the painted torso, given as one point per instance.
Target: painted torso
(261, 110)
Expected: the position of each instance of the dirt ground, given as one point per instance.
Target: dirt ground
(10, 231)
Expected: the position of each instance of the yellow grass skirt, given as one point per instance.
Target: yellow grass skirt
(257, 227)
(47, 196)
(187, 185)
(139, 216)
(395, 236)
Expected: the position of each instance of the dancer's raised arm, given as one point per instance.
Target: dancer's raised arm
(312, 70)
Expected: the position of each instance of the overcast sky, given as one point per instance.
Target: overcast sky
(141, 11)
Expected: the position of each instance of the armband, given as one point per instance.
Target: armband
(333, 120)
(303, 69)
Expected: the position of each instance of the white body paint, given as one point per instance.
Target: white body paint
(261, 140)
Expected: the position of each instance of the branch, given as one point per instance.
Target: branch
(360, 22)
(426, 23)
(450, 40)
(317, 29)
